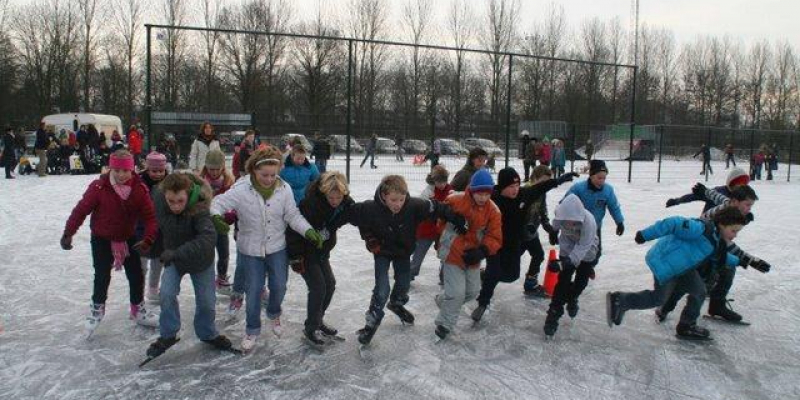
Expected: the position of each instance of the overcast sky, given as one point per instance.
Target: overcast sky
(745, 20)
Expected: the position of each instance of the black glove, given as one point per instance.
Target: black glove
(620, 229)
(568, 177)
(554, 266)
(553, 236)
(761, 266)
(66, 242)
(639, 238)
(750, 217)
(143, 246)
(459, 223)
(672, 203)
(167, 257)
(475, 255)
(699, 190)
(373, 245)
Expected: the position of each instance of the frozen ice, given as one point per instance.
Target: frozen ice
(45, 292)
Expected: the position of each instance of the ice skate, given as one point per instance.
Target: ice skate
(405, 316)
(96, 314)
(141, 316)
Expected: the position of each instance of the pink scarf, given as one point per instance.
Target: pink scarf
(216, 184)
(120, 249)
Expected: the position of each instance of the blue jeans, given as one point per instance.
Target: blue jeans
(204, 297)
(380, 294)
(238, 275)
(256, 270)
(423, 245)
(223, 254)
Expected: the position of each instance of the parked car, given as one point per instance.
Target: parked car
(289, 137)
(385, 146)
(452, 148)
(414, 146)
(486, 144)
(340, 144)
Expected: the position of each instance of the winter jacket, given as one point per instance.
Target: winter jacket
(155, 249)
(684, 244)
(244, 153)
(484, 225)
(429, 229)
(9, 147)
(225, 182)
(395, 232)
(322, 217)
(579, 243)
(112, 218)
(559, 157)
(544, 156)
(322, 150)
(597, 200)
(706, 153)
(200, 149)
(709, 203)
(299, 177)
(461, 179)
(516, 212)
(41, 140)
(262, 223)
(190, 234)
(135, 141)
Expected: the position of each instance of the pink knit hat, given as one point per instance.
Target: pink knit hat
(156, 160)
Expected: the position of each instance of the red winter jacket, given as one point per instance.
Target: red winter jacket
(429, 229)
(544, 157)
(113, 218)
(135, 141)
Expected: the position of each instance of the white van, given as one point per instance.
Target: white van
(104, 123)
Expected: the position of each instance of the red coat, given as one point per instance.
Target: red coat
(429, 229)
(544, 157)
(113, 218)
(134, 141)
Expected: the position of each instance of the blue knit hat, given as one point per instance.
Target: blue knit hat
(481, 181)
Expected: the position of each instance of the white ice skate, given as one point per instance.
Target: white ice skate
(141, 316)
(277, 329)
(96, 314)
(249, 342)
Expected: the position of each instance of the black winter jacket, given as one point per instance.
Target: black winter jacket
(322, 217)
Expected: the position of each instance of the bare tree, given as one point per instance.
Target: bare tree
(780, 87)
(88, 10)
(174, 12)
(555, 31)
(368, 20)
(498, 36)
(594, 48)
(616, 45)
(416, 17)
(757, 73)
(242, 54)
(210, 12)
(667, 68)
(127, 27)
(8, 66)
(276, 17)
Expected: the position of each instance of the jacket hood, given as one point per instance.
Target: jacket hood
(570, 209)
(290, 163)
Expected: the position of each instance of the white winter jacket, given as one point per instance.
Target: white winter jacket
(197, 156)
(262, 223)
(578, 243)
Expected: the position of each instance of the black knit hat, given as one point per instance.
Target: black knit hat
(596, 166)
(507, 177)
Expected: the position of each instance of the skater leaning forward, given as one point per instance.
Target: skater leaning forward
(684, 248)
(388, 225)
(264, 206)
(188, 236)
(326, 207)
(116, 201)
(462, 253)
(579, 251)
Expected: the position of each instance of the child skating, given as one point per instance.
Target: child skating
(154, 173)
(217, 176)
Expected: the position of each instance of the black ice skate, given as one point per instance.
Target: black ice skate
(158, 348)
(720, 310)
(405, 316)
(366, 333)
(692, 332)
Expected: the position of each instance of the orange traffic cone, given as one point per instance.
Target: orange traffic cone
(550, 277)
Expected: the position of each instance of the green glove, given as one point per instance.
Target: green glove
(314, 237)
(220, 225)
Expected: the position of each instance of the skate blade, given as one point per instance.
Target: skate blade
(725, 321)
(334, 338)
(609, 317)
(694, 338)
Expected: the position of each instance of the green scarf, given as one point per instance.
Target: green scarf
(265, 192)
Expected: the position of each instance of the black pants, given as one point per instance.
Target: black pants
(103, 264)
(528, 166)
(9, 167)
(501, 267)
(722, 281)
(321, 285)
(371, 156)
(568, 290)
(728, 160)
(534, 248)
(670, 294)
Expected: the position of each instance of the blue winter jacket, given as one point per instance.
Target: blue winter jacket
(597, 200)
(299, 177)
(559, 157)
(684, 244)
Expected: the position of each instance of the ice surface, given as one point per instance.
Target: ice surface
(44, 294)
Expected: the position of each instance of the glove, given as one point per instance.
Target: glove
(230, 217)
(475, 255)
(167, 257)
(554, 266)
(374, 245)
(220, 225)
(314, 237)
(143, 246)
(672, 203)
(761, 265)
(639, 238)
(459, 223)
(553, 236)
(749, 217)
(568, 177)
(699, 190)
(298, 265)
(66, 242)
(620, 229)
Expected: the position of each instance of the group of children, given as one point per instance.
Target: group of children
(287, 215)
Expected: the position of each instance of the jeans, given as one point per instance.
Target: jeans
(371, 156)
(155, 268)
(223, 254)
(239, 278)
(728, 160)
(41, 167)
(322, 164)
(103, 261)
(321, 285)
(567, 290)
(380, 294)
(460, 287)
(707, 167)
(421, 249)
(169, 321)
(667, 296)
(256, 270)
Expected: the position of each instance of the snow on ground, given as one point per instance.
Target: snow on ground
(44, 294)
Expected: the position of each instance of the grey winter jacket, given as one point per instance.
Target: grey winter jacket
(190, 234)
(579, 243)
